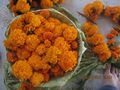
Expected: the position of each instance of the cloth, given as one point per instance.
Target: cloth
(108, 87)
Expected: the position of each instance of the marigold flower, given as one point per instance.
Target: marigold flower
(36, 63)
(17, 37)
(93, 10)
(49, 26)
(110, 36)
(115, 55)
(22, 6)
(54, 20)
(61, 44)
(45, 13)
(114, 48)
(99, 49)
(47, 35)
(47, 43)
(26, 86)
(46, 3)
(67, 61)
(58, 31)
(11, 57)
(111, 41)
(32, 42)
(57, 71)
(22, 53)
(41, 49)
(114, 32)
(74, 45)
(52, 55)
(116, 18)
(37, 78)
(95, 39)
(22, 70)
(46, 77)
(105, 56)
(70, 33)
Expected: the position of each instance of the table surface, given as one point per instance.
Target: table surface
(72, 5)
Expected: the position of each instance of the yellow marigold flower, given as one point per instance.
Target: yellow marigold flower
(36, 63)
(32, 42)
(52, 55)
(41, 49)
(105, 56)
(100, 48)
(67, 61)
(22, 6)
(17, 37)
(89, 29)
(37, 78)
(22, 70)
(95, 39)
(93, 10)
(61, 44)
(23, 53)
(46, 3)
(70, 33)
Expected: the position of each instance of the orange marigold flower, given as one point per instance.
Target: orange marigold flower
(45, 13)
(23, 53)
(114, 48)
(41, 49)
(61, 44)
(46, 77)
(17, 37)
(70, 33)
(22, 6)
(75, 53)
(36, 63)
(67, 61)
(114, 32)
(105, 55)
(32, 42)
(89, 29)
(110, 36)
(26, 86)
(47, 43)
(49, 26)
(93, 10)
(115, 55)
(74, 45)
(47, 35)
(95, 39)
(99, 49)
(22, 70)
(58, 31)
(54, 20)
(37, 78)
(11, 57)
(111, 41)
(52, 55)
(46, 3)
(57, 71)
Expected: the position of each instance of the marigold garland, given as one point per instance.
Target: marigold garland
(94, 38)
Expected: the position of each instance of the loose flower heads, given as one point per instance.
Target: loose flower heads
(94, 38)
(23, 6)
(41, 47)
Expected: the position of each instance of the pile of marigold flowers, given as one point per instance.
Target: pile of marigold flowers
(94, 38)
(41, 47)
(23, 6)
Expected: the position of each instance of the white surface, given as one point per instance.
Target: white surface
(72, 5)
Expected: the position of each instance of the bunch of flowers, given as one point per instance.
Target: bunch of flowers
(41, 47)
(23, 6)
(94, 38)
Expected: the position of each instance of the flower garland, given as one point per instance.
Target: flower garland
(105, 51)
